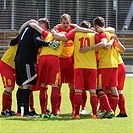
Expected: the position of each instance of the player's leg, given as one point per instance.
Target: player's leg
(59, 100)
(113, 89)
(84, 100)
(115, 98)
(43, 100)
(8, 78)
(54, 99)
(79, 87)
(78, 102)
(72, 96)
(26, 78)
(120, 87)
(103, 79)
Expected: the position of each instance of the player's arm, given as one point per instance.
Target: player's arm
(57, 26)
(59, 36)
(36, 27)
(74, 25)
(100, 45)
(26, 24)
(81, 29)
(14, 41)
(111, 42)
(108, 29)
(120, 46)
(38, 41)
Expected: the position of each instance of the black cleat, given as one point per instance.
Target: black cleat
(12, 113)
(8, 113)
(48, 112)
(121, 115)
(109, 114)
(32, 114)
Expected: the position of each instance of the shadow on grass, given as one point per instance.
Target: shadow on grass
(62, 117)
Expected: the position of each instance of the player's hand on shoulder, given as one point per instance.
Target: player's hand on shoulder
(55, 45)
(33, 21)
(84, 49)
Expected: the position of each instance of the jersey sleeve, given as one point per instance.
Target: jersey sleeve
(38, 41)
(102, 35)
(70, 36)
(96, 37)
(44, 33)
(14, 41)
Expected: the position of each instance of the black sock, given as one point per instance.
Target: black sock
(19, 100)
(25, 100)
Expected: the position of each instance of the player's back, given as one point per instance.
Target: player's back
(27, 49)
(108, 58)
(88, 59)
(50, 51)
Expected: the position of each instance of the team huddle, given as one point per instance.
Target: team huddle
(87, 59)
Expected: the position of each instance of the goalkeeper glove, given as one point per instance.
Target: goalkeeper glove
(54, 45)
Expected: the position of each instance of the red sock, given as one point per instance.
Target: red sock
(101, 107)
(43, 100)
(72, 97)
(46, 99)
(9, 105)
(121, 104)
(59, 100)
(84, 99)
(54, 100)
(31, 101)
(104, 100)
(94, 102)
(109, 95)
(78, 102)
(115, 100)
(6, 100)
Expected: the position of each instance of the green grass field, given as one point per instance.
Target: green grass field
(65, 124)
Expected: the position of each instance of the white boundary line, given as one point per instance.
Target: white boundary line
(129, 75)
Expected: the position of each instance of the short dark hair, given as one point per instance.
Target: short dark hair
(85, 24)
(45, 20)
(99, 21)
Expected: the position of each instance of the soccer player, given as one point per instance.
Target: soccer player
(66, 60)
(107, 70)
(49, 73)
(7, 70)
(121, 80)
(84, 24)
(85, 71)
(8, 74)
(36, 87)
(25, 60)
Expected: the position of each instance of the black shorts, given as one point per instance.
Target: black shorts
(25, 74)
